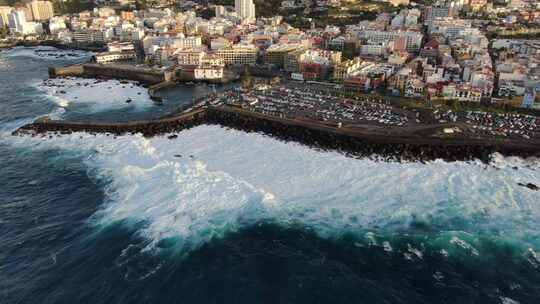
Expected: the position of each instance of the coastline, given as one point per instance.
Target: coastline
(407, 146)
(423, 143)
(53, 43)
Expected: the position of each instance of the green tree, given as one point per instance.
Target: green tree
(72, 6)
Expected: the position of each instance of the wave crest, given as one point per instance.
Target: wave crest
(211, 180)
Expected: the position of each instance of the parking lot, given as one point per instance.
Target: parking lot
(329, 105)
(322, 106)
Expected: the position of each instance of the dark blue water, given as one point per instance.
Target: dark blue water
(53, 252)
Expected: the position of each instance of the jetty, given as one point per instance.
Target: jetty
(145, 75)
(418, 144)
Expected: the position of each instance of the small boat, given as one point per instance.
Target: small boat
(128, 100)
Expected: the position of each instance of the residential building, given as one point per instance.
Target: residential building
(190, 57)
(19, 25)
(276, 53)
(345, 68)
(238, 55)
(245, 9)
(41, 10)
(4, 13)
(109, 57)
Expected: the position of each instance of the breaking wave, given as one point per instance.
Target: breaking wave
(211, 180)
(449, 221)
(46, 53)
(84, 96)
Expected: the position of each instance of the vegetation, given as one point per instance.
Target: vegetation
(224, 2)
(72, 6)
(207, 13)
(535, 35)
(4, 32)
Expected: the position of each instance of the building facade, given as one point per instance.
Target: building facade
(41, 10)
(245, 9)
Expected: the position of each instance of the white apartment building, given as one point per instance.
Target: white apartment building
(461, 92)
(374, 49)
(210, 67)
(115, 56)
(17, 21)
(41, 10)
(4, 13)
(120, 47)
(220, 11)
(449, 27)
(245, 9)
(208, 73)
(239, 55)
(56, 24)
(220, 43)
(413, 39)
(190, 57)
(91, 35)
(18, 24)
(191, 42)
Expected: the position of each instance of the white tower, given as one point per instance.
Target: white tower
(17, 21)
(245, 9)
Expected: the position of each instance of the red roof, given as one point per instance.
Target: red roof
(432, 44)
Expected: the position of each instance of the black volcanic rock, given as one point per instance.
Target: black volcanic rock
(530, 186)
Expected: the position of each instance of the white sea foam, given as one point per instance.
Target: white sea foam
(506, 300)
(211, 180)
(46, 53)
(94, 96)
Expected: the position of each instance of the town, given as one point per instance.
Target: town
(449, 50)
(450, 64)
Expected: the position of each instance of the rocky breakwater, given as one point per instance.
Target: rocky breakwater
(144, 75)
(148, 128)
(363, 144)
(354, 143)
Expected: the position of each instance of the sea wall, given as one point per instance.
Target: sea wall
(311, 134)
(361, 145)
(56, 44)
(147, 127)
(71, 70)
(115, 71)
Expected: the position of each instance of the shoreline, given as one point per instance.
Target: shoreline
(54, 43)
(410, 146)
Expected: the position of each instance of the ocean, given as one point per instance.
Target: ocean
(218, 215)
